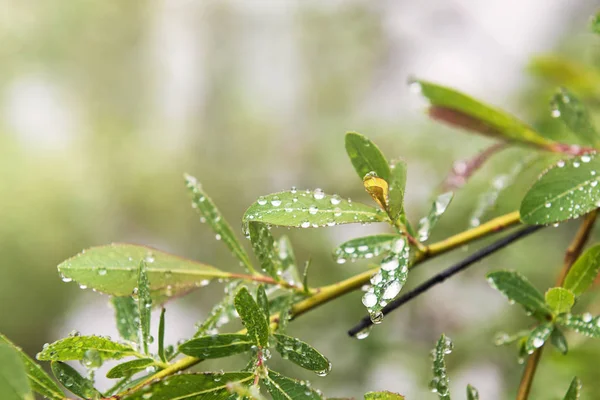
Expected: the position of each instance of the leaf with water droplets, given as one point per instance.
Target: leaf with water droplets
(76, 347)
(127, 316)
(364, 247)
(584, 271)
(584, 324)
(210, 213)
(113, 269)
(306, 209)
(560, 300)
(575, 116)
(252, 317)
(283, 304)
(263, 244)
(438, 208)
(302, 354)
(14, 383)
(558, 340)
(210, 386)
(472, 393)
(518, 289)
(574, 390)
(73, 381)
(284, 388)
(221, 313)
(503, 338)
(366, 156)
(396, 190)
(565, 191)
(383, 396)
(538, 337)
(440, 382)
(217, 346)
(285, 253)
(161, 337)
(263, 300)
(144, 302)
(38, 378)
(129, 368)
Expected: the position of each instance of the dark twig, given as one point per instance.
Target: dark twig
(439, 278)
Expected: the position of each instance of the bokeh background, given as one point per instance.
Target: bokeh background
(105, 104)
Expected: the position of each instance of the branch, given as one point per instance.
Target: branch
(463, 169)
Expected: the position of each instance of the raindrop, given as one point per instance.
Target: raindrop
(538, 342)
(313, 210)
(261, 201)
(293, 190)
(369, 299)
(275, 201)
(586, 317)
(349, 250)
(337, 212)
(335, 200)
(376, 279)
(390, 263)
(218, 237)
(376, 317)
(560, 164)
(555, 113)
(305, 224)
(102, 271)
(586, 158)
(414, 87)
(391, 290)
(363, 334)
(318, 194)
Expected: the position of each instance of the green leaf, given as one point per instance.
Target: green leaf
(366, 156)
(73, 381)
(559, 341)
(305, 286)
(574, 390)
(458, 109)
(389, 280)
(305, 209)
(584, 324)
(584, 271)
(440, 383)
(518, 289)
(217, 346)
(285, 312)
(129, 368)
(113, 269)
(252, 317)
(383, 396)
(565, 191)
(144, 305)
(263, 300)
(263, 244)
(209, 386)
(595, 23)
(285, 253)
(38, 378)
(472, 393)
(438, 208)
(503, 338)
(161, 337)
(538, 337)
(302, 354)
(14, 384)
(560, 300)
(210, 213)
(575, 116)
(364, 247)
(397, 188)
(128, 317)
(283, 388)
(76, 347)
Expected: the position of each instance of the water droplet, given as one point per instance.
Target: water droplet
(318, 194)
(66, 279)
(102, 271)
(305, 224)
(555, 113)
(391, 290)
(261, 201)
(390, 263)
(313, 210)
(335, 200)
(376, 317)
(337, 212)
(293, 190)
(275, 201)
(586, 317)
(218, 237)
(349, 250)
(369, 299)
(414, 87)
(560, 164)
(537, 342)
(586, 158)
(376, 279)
(363, 334)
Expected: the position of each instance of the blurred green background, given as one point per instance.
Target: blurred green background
(105, 104)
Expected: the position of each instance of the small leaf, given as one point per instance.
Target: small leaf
(14, 384)
(283, 388)
(584, 271)
(560, 300)
(438, 208)
(584, 324)
(38, 378)
(396, 190)
(559, 341)
(364, 247)
(574, 114)
(366, 156)
(574, 390)
(144, 306)
(73, 381)
(128, 317)
(252, 317)
(538, 337)
(302, 354)
(285, 313)
(217, 346)
(518, 289)
(440, 383)
(565, 191)
(503, 338)
(285, 252)
(211, 386)
(75, 348)
(263, 244)
(263, 300)
(378, 189)
(305, 209)
(161, 337)
(383, 396)
(472, 393)
(112, 269)
(129, 368)
(305, 286)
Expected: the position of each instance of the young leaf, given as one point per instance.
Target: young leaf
(217, 346)
(252, 317)
(383, 396)
(559, 341)
(128, 317)
(538, 337)
(472, 393)
(440, 383)
(144, 305)
(584, 271)
(458, 109)
(584, 324)
(560, 300)
(38, 378)
(263, 244)
(396, 190)
(161, 337)
(211, 386)
(378, 189)
(283, 388)
(518, 289)
(305, 286)
(565, 191)
(302, 354)
(574, 114)
(263, 300)
(438, 208)
(73, 381)
(14, 384)
(76, 347)
(211, 214)
(112, 269)
(305, 209)
(574, 390)
(285, 312)
(364, 247)
(129, 368)
(366, 156)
